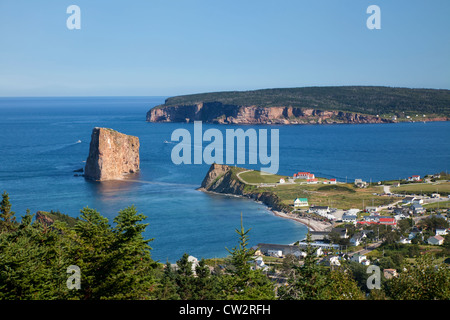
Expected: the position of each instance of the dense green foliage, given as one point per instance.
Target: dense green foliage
(115, 263)
(358, 99)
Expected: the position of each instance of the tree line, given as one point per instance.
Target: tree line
(116, 263)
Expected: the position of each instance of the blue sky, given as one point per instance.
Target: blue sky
(171, 47)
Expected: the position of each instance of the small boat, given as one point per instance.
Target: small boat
(165, 141)
(79, 141)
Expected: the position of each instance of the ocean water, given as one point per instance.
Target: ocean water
(43, 140)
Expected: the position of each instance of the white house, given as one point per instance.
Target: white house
(417, 208)
(194, 262)
(259, 264)
(304, 175)
(360, 259)
(371, 209)
(404, 240)
(441, 231)
(353, 212)
(275, 253)
(357, 238)
(332, 261)
(408, 200)
(301, 202)
(414, 178)
(417, 201)
(360, 184)
(436, 240)
(349, 218)
(321, 210)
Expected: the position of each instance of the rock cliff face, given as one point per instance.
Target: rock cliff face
(216, 112)
(220, 179)
(111, 155)
(44, 219)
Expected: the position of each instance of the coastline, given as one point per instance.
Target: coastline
(311, 224)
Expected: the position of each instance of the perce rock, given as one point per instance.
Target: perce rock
(111, 155)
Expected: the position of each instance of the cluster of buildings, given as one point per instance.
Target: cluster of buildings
(311, 178)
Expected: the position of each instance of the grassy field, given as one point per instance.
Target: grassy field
(342, 196)
(437, 205)
(417, 188)
(257, 177)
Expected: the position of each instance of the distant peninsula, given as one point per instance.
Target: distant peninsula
(307, 105)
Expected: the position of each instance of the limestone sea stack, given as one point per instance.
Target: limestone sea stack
(111, 155)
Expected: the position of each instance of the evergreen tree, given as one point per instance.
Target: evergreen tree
(132, 272)
(185, 278)
(241, 282)
(32, 262)
(7, 217)
(307, 281)
(167, 289)
(205, 284)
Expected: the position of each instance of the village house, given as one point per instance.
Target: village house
(319, 210)
(417, 208)
(324, 235)
(297, 250)
(414, 178)
(260, 265)
(323, 211)
(371, 209)
(360, 259)
(332, 261)
(414, 232)
(408, 200)
(357, 238)
(383, 220)
(312, 181)
(401, 216)
(347, 218)
(301, 202)
(404, 240)
(360, 184)
(436, 240)
(417, 201)
(304, 175)
(390, 273)
(441, 231)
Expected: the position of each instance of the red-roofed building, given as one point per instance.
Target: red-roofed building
(387, 221)
(304, 175)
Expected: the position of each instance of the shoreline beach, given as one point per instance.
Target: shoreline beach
(311, 224)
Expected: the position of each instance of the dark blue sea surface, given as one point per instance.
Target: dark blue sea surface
(43, 140)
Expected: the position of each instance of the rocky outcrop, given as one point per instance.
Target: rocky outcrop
(44, 219)
(216, 112)
(111, 155)
(220, 179)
